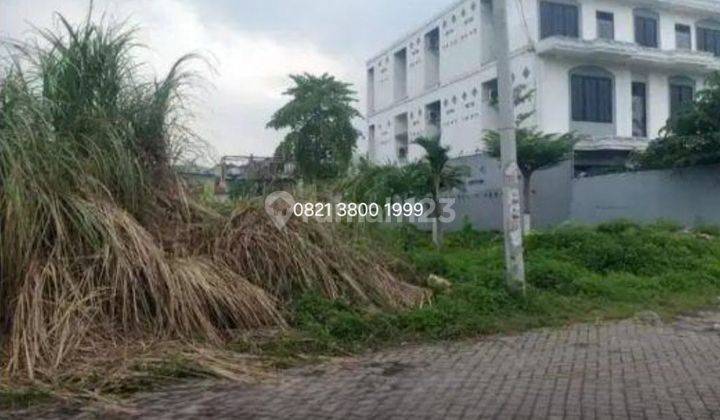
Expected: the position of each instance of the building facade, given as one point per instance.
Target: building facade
(614, 71)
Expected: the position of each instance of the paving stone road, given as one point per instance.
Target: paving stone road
(628, 369)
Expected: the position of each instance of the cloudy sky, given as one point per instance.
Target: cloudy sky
(254, 45)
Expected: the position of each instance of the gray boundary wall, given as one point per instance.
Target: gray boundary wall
(687, 196)
(481, 201)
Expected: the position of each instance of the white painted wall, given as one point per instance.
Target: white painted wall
(460, 41)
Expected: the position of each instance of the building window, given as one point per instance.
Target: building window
(432, 58)
(402, 154)
(682, 94)
(646, 28)
(433, 120)
(605, 25)
(708, 38)
(559, 19)
(400, 82)
(490, 92)
(371, 89)
(592, 98)
(683, 38)
(639, 109)
(401, 137)
(487, 26)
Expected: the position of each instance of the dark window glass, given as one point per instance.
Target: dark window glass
(709, 40)
(490, 91)
(639, 109)
(680, 97)
(605, 25)
(592, 99)
(558, 19)
(646, 31)
(683, 39)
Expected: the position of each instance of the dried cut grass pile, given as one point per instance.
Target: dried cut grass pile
(110, 273)
(306, 257)
(99, 244)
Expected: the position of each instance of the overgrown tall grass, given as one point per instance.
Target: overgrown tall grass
(85, 145)
(98, 242)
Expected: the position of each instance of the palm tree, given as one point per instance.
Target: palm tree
(440, 176)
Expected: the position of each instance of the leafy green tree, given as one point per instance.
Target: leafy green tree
(438, 176)
(691, 138)
(319, 116)
(535, 150)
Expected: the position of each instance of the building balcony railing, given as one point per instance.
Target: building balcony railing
(616, 52)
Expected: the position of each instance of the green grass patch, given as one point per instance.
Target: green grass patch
(574, 274)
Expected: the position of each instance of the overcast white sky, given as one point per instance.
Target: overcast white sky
(254, 44)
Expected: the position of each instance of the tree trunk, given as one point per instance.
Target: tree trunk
(527, 210)
(437, 228)
(436, 232)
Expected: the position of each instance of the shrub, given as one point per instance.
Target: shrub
(468, 237)
(430, 262)
(622, 247)
(617, 226)
(556, 275)
(666, 226)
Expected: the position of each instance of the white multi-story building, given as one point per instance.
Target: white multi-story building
(612, 70)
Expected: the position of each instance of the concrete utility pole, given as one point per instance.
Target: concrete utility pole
(512, 212)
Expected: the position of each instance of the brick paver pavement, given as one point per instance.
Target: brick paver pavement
(627, 369)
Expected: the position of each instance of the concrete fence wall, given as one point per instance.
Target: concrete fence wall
(481, 201)
(687, 196)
